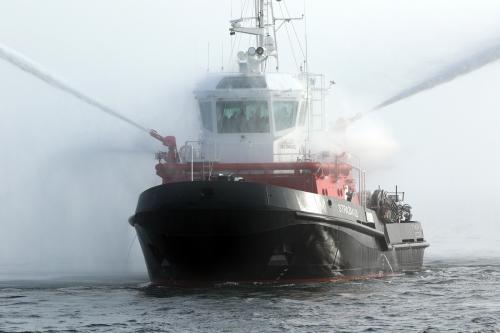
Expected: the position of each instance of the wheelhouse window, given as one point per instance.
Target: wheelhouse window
(206, 114)
(242, 117)
(285, 114)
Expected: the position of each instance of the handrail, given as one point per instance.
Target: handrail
(192, 163)
(217, 166)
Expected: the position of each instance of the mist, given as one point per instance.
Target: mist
(70, 175)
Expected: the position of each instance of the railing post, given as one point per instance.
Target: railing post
(364, 189)
(192, 162)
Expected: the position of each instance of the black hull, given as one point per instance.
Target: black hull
(201, 232)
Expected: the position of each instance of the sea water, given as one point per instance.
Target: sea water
(448, 295)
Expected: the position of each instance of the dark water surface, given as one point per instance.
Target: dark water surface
(447, 296)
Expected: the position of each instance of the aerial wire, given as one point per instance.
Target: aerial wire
(295, 31)
(289, 39)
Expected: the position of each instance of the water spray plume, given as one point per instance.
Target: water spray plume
(447, 74)
(35, 69)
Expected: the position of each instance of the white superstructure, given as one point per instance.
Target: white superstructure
(256, 115)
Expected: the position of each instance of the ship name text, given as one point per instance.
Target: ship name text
(348, 210)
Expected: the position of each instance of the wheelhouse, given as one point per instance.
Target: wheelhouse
(257, 109)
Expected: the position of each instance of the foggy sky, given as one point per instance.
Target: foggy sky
(70, 176)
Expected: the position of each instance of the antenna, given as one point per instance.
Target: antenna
(208, 57)
(275, 39)
(222, 57)
(306, 68)
(306, 61)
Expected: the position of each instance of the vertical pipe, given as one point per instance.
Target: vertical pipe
(275, 39)
(364, 189)
(360, 185)
(192, 163)
(260, 37)
(306, 69)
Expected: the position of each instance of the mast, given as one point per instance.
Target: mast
(263, 26)
(259, 5)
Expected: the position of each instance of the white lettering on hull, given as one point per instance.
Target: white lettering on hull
(348, 210)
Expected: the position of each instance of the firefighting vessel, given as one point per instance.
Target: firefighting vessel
(249, 201)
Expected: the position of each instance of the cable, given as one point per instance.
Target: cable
(289, 39)
(295, 31)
